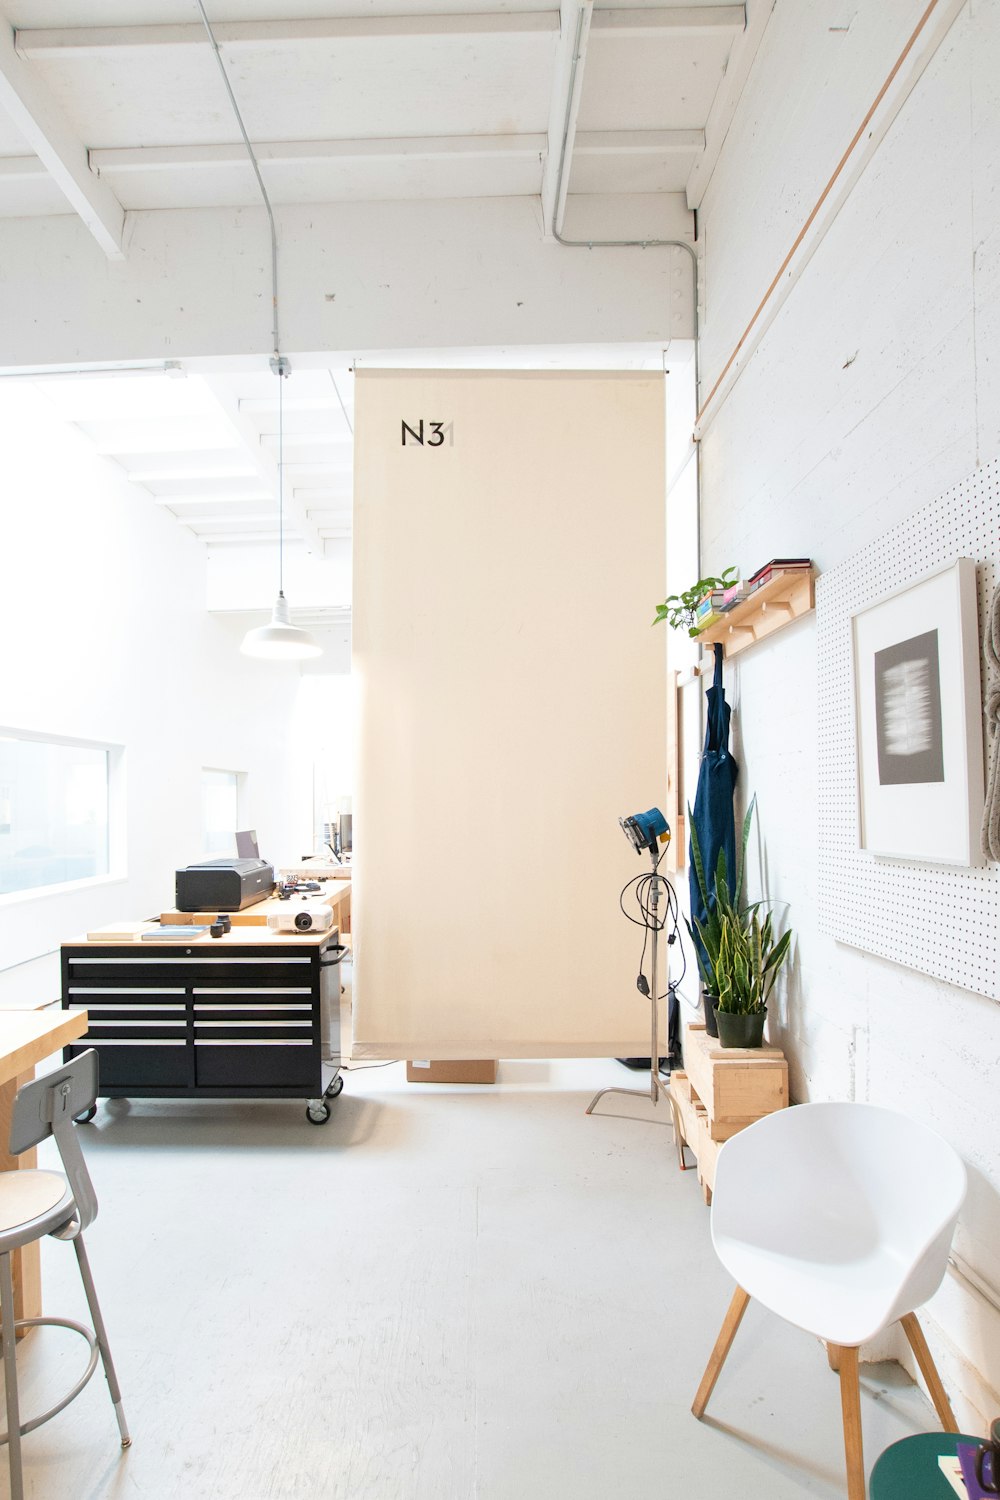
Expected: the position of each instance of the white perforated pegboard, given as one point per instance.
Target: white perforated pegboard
(943, 921)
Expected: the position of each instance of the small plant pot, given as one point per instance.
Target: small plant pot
(741, 1031)
(711, 1025)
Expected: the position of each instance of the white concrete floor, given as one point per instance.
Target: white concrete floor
(444, 1294)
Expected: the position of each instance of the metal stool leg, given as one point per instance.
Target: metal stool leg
(10, 1378)
(102, 1338)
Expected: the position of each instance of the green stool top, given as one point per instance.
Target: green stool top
(909, 1469)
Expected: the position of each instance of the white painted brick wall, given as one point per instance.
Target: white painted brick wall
(877, 388)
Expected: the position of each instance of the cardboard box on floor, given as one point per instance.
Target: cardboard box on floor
(455, 1071)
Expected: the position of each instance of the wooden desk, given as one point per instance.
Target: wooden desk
(334, 893)
(26, 1037)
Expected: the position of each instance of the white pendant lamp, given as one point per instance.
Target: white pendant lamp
(280, 640)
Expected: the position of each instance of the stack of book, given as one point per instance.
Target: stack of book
(716, 604)
(776, 565)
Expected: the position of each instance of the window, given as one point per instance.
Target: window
(222, 804)
(54, 797)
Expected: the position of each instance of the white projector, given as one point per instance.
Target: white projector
(307, 916)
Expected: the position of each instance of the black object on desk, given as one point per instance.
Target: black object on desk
(223, 884)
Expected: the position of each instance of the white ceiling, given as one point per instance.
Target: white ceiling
(109, 107)
(365, 100)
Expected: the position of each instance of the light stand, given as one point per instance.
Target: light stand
(644, 831)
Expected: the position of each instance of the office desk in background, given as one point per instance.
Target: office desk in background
(26, 1037)
(334, 893)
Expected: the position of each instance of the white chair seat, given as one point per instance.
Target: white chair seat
(30, 1195)
(841, 1301)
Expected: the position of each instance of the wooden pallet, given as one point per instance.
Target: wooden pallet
(721, 1091)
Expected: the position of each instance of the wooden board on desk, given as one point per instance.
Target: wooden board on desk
(26, 1036)
(332, 894)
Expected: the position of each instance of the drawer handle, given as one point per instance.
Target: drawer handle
(235, 989)
(147, 989)
(241, 1008)
(121, 1041)
(200, 1025)
(122, 1022)
(83, 1010)
(148, 963)
(237, 1042)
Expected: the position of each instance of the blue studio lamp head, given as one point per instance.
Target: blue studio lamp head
(643, 829)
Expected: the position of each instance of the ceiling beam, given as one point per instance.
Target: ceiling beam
(668, 20)
(74, 41)
(720, 116)
(125, 159)
(153, 158)
(37, 117)
(22, 169)
(263, 461)
(638, 142)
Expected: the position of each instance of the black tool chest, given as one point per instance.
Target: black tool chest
(227, 1021)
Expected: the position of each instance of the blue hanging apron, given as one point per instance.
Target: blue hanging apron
(712, 814)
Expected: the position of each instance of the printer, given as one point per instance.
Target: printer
(223, 884)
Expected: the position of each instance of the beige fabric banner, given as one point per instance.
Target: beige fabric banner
(511, 708)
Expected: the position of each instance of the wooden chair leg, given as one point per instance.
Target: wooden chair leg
(723, 1344)
(833, 1356)
(928, 1370)
(850, 1402)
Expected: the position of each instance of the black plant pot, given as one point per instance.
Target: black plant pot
(711, 1023)
(741, 1031)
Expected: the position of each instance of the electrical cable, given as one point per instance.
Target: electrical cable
(256, 169)
(667, 920)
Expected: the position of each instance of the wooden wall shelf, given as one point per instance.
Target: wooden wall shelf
(784, 598)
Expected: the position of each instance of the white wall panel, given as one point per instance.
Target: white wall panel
(876, 390)
(511, 709)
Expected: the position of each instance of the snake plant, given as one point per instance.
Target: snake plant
(738, 955)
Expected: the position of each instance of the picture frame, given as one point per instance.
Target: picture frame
(919, 719)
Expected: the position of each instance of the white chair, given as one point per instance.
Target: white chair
(37, 1203)
(839, 1218)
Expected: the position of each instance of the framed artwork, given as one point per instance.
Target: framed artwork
(919, 721)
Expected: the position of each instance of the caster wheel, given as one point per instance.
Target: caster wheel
(318, 1116)
(336, 1088)
(86, 1117)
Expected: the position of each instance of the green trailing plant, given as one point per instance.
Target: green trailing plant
(738, 956)
(679, 609)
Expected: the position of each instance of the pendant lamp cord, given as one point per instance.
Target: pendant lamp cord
(991, 650)
(256, 170)
(278, 364)
(281, 480)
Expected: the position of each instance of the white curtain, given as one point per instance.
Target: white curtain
(511, 706)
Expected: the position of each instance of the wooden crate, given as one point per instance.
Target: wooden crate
(736, 1084)
(721, 1091)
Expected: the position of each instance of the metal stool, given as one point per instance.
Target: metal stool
(36, 1203)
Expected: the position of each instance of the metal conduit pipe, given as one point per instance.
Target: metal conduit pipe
(559, 207)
